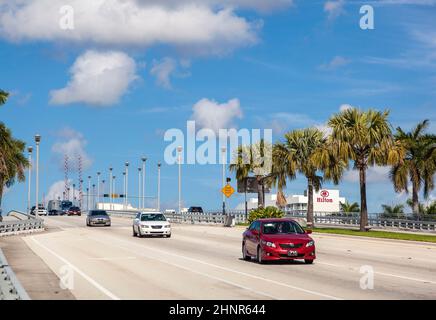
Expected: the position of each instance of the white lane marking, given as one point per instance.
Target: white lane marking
(80, 272)
(113, 259)
(196, 272)
(234, 271)
(376, 272)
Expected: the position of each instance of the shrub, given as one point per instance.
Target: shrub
(262, 213)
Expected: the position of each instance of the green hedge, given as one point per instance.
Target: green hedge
(262, 213)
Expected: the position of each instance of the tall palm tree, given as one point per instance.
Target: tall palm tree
(350, 207)
(418, 165)
(12, 160)
(364, 137)
(253, 159)
(3, 97)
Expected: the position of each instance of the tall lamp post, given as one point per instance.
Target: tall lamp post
(93, 196)
(139, 187)
(124, 190)
(98, 188)
(179, 151)
(29, 186)
(88, 198)
(223, 159)
(144, 159)
(158, 186)
(127, 184)
(37, 141)
(113, 189)
(110, 188)
(74, 194)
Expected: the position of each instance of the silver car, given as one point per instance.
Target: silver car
(98, 218)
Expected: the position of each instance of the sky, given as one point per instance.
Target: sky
(107, 79)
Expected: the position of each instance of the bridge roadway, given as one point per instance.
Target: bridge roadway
(204, 262)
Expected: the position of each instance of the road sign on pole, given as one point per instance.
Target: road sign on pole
(228, 190)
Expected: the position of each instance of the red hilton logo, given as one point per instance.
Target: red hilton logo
(324, 194)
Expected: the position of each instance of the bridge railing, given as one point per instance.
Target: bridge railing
(14, 227)
(10, 287)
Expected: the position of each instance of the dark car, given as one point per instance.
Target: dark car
(98, 218)
(196, 210)
(74, 211)
(277, 239)
(56, 212)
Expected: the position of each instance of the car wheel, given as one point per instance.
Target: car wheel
(245, 256)
(259, 255)
(134, 232)
(308, 261)
(139, 233)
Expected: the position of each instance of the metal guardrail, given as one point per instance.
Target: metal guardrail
(30, 225)
(10, 287)
(216, 217)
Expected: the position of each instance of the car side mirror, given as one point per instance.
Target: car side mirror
(308, 231)
(255, 232)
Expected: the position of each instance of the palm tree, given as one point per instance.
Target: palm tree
(12, 160)
(350, 207)
(364, 137)
(254, 159)
(393, 211)
(418, 165)
(3, 97)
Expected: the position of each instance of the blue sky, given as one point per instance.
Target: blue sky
(290, 64)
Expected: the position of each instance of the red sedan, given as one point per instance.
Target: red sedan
(277, 239)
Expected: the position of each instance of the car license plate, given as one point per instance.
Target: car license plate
(292, 253)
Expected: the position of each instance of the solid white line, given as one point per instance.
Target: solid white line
(81, 273)
(380, 273)
(235, 271)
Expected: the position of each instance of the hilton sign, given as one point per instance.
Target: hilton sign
(324, 197)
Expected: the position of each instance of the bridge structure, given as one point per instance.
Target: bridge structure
(202, 260)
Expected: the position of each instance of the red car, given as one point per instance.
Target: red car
(277, 239)
(74, 211)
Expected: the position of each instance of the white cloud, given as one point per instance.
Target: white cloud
(72, 144)
(167, 67)
(376, 174)
(212, 115)
(345, 107)
(97, 78)
(334, 8)
(335, 63)
(57, 189)
(203, 27)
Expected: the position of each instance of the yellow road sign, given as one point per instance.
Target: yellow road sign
(228, 191)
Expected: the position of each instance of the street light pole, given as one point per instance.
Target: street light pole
(113, 189)
(98, 188)
(37, 141)
(93, 196)
(139, 188)
(74, 193)
(124, 190)
(223, 152)
(158, 186)
(179, 150)
(127, 184)
(88, 198)
(144, 159)
(110, 188)
(30, 150)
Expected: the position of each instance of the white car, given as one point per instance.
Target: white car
(151, 224)
(42, 212)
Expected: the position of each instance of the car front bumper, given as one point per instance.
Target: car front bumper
(270, 253)
(151, 232)
(100, 223)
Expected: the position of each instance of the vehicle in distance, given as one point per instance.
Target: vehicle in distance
(195, 210)
(41, 211)
(98, 218)
(151, 224)
(74, 211)
(56, 212)
(277, 239)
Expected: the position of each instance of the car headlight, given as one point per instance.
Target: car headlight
(167, 226)
(144, 226)
(268, 244)
(310, 244)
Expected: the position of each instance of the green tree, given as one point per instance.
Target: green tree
(12, 160)
(350, 207)
(418, 165)
(365, 138)
(255, 159)
(396, 211)
(264, 213)
(3, 97)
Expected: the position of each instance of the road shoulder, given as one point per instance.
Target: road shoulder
(34, 275)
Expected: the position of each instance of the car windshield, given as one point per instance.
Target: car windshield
(98, 213)
(74, 209)
(282, 227)
(153, 217)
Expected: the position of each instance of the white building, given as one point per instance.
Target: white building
(324, 201)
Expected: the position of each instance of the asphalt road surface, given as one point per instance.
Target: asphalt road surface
(204, 262)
